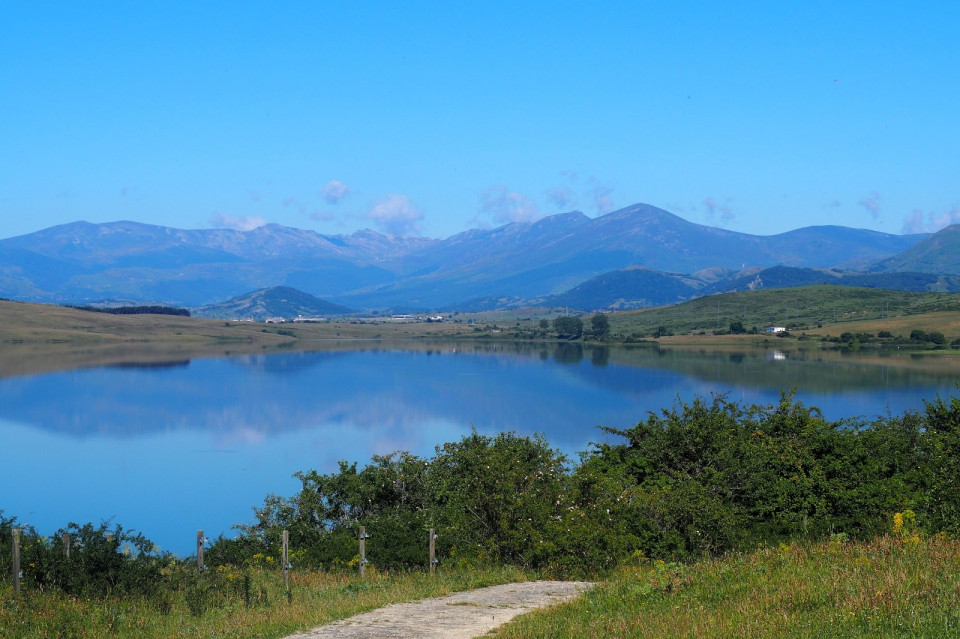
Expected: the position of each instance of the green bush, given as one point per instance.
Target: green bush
(101, 562)
(697, 479)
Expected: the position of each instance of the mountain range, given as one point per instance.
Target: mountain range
(637, 256)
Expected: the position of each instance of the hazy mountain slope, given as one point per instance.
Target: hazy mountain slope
(132, 262)
(640, 287)
(83, 262)
(775, 277)
(557, 253)
(938, 253)
(630, 288)
(837, 246)
(788, 277)
(109, 243)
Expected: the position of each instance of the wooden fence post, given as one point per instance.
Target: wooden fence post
(200, 551)
(433, 552)
(363, 550)
(66, 545)
(286, 559)
(16, 560)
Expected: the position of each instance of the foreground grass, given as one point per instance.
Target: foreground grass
(885, 588)
(267, 610)
(890, 587)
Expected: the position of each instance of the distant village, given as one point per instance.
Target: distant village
(378, 319)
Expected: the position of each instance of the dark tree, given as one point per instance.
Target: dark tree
(570, 327)
(600, 325)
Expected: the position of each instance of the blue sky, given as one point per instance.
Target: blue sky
(433, 118)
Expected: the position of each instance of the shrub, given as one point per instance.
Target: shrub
(101, 562)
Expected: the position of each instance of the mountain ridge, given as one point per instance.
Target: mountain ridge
(83, 262)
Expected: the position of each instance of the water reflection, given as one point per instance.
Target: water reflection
(183, 445)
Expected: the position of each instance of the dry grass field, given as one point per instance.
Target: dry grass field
(35, 338)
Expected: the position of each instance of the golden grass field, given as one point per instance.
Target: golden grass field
(41, 337)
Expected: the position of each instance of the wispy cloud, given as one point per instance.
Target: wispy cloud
(501, 205)
(334, 191)
(871, 204)
(917, 222)
(575, 187)
(296, 204)
(395, 214)
(562, 198)
(323, 216)
(600, 196)
(717, 209)
(236, 222)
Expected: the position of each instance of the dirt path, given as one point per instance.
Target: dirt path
(462, 615)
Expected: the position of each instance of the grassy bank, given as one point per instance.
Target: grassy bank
(810, 309)
(229, 602)
(893, 586)
(890, 587)
(37, 338)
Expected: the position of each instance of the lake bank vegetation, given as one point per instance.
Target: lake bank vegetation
(36, 338)
(705, 510)
(695, 480)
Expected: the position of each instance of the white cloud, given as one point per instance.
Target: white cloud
(562, 198)
(917, 222)
(395, 214)
(871, 204)
(334, 191)
(721, 209)
(323, 216)
(238, 222)
(600, 195)
(504, 206)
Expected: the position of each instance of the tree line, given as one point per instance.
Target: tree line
(137, 310)
(694, 480)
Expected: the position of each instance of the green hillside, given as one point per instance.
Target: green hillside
(629, 288)
(939, 253)
(279, 301)
(797, 309)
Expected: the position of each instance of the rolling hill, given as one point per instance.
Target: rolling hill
(939, 254)
(278, 301)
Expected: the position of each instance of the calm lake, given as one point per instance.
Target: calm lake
(169, 449)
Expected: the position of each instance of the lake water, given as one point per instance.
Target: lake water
(173, 448)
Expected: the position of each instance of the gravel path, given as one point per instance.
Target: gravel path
(462, 615)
